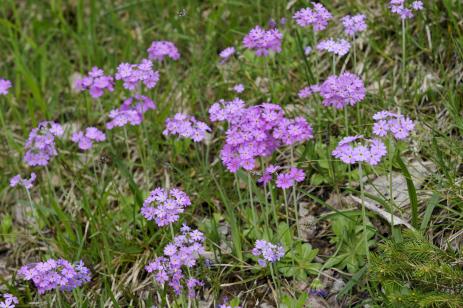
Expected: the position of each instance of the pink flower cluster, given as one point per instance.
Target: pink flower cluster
(85, 139)
(284, 180)
(399, 125)
(183, 251)
(55, 274)
(5, 85)
(263, 41)
(227, 53)
(290, 178)
(338, 47)
(40, 146)
(26, 183)
(186, 126)
(357, 149)
(255, 131)
(398, 7)
(239, 88)
(162, 49)
(96, 83)
(165, 206)
(354, 24)
(130, 112)
(317, 17)
(268, 252)
(133, 74)
(9, 301)
(338, 91)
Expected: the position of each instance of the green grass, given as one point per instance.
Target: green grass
(87, 203)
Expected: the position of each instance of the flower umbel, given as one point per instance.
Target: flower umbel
(182, 252)
(357, 149)
(55, 274)
(162, 49)
(267, 252)
(263, 41)
(26, 183)
(398, 125)
(165, 206)
(96, 83)
(40, 146)
(186, 126)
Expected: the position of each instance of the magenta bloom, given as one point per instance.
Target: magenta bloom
(354, 24)
(255, 131)
(130, 112)
(338, 91)
(263, 41)
(165, 206)
(227, 53)
(398, 7)
(186, 126)
(9, 301)
(40, 146)
(183, 252)
(239, 88)
(162, 49)
(290, 178)
(397, 124)
(5, 85)
(267, 252)
(26, 183)
(85, 139)
(96, 83)
(55, 274)
(357, 149)
(317, 17)
(338, 47)
(134, 74)
(268, 174)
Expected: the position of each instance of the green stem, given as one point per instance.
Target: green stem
(364, 216)
(275, 283)
(296, 206)
(254, 215)
(404, 55)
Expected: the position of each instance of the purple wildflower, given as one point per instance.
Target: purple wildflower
(290, 178)
(227, 53)
(161, 49)
(255, 131)
(263, 41)
(267, 252)
(338, 47)
(184, 251)
(186, 126)
(399, 125)
(239, 88)
(26, 183)
(268, 174)
(354, 24)
(398, 7)
(9, 301)
(133, 74)
(5, 85)
(165, 206)
(85, 139)
(55, 274)
(130, 112)
(317, 17)
(283, 21)
(338, 91)
(307, 50)
(96, 83)
(40, 146)
(355, 149)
